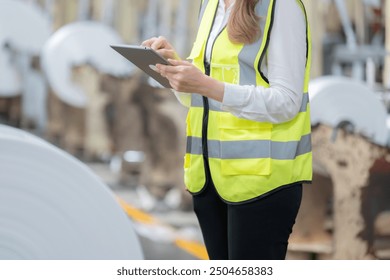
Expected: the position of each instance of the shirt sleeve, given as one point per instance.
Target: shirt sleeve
(286, 72)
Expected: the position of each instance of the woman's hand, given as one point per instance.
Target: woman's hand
(162, 46)
(185, 77)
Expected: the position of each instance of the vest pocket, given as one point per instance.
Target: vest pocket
(228, 73)
(231, 167)
(245, 146)
(245, 157)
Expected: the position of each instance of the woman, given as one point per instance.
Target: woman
(248, 125)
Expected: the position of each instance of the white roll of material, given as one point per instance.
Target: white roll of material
(388, 130)
(25, 36)
(337, 100)
(52, 206)
(76, 44)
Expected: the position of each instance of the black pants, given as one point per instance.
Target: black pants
(257, 230)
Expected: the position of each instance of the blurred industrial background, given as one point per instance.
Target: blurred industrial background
(69, 104)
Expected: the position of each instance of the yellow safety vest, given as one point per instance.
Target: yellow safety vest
(246, 159)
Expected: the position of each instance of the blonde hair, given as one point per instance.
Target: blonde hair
(243, 25)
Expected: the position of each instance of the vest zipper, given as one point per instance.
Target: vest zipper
(204, 131)
(205, 121)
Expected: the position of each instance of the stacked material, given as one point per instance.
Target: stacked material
(73, 59)
(342, 217)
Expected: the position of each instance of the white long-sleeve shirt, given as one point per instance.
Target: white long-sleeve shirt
(285, 69)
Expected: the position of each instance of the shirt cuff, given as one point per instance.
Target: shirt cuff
(232, 97)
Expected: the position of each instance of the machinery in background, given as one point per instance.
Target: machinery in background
(22, 85)
(345, 215)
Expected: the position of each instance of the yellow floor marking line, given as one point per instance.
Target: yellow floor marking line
(135, 213)
(192, 247)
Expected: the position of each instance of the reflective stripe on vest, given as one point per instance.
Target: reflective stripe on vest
(253, 148)
(247, 159)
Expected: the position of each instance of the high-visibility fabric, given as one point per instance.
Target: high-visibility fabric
(246, 159)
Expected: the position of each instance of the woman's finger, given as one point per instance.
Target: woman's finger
(159, 43)
(166, 69)
(148, 42)
(176, 62)
(166, 53)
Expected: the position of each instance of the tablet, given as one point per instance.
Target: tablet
(144, 58)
